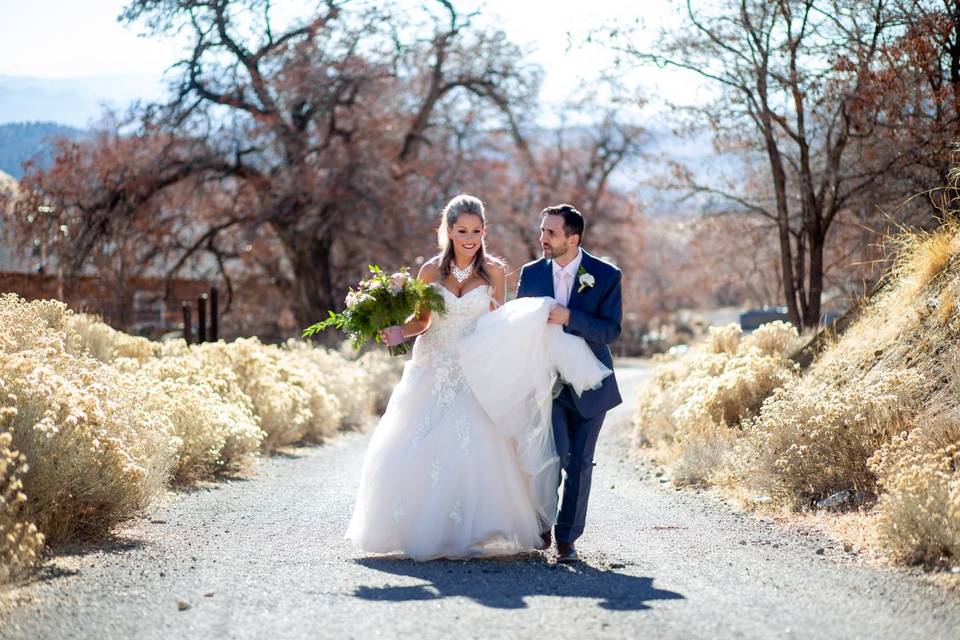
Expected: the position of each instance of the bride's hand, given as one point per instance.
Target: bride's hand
(391, 336)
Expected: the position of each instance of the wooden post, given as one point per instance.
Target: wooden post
(214, 314)
(202, 318)
(187, 322)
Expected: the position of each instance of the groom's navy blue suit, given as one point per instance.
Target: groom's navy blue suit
(595, 315)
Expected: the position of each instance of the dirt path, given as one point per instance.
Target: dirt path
(265, 558)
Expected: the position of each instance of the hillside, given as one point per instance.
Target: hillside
(871, 429)
(75, 101)
(21, 141)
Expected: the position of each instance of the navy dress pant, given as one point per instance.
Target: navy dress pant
(576, 439)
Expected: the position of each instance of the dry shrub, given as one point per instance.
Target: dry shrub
(919, 477)
(96, 423)
(383, 371)
(96, 455)
(87, 334)
(671, 382)
(812, 439)
(291, 405)
(878, 413)
(20, 541)
(693, 407)
(211, 415)
(919, 474)
(724, 339)
(297, 392)
(347, 381)
(31, 325)
(772, 339)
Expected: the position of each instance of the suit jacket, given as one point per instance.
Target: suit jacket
(595, 316)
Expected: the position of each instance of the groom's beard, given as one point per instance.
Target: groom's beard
(552, 252)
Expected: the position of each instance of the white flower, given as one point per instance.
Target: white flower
(352, 300)
(586, 280)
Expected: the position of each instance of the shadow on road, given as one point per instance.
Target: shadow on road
(50, 571)
(505, 584)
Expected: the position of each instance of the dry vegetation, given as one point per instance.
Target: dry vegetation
(874, 422)
(95, 424)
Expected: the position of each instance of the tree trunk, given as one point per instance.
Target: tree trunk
(312, 279)
(783, 225)
(812, 318)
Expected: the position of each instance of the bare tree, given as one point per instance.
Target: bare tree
(790, 75)
(319, 135)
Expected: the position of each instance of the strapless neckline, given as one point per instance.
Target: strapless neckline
(463, 295)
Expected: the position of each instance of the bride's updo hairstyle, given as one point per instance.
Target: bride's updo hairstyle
(460, 205)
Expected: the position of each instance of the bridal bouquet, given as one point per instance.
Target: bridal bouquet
(379, 302)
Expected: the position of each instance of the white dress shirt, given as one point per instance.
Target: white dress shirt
(565, 277)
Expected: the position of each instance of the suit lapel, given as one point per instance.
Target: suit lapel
(574, 294)
(551, 290)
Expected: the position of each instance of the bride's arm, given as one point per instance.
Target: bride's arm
(392, 336)
(419, 324)
(499, 274)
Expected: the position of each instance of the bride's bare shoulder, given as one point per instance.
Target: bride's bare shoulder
(495, 266)
(430, 270)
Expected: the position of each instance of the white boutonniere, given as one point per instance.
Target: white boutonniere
(585, 279)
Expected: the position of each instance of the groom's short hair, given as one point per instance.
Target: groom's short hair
(572, 219)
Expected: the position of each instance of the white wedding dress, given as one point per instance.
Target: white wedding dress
(462, 463)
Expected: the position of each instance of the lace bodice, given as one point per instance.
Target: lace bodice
(445, 331)
(437, 347)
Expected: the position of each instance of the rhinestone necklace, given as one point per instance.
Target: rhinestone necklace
(460, 274)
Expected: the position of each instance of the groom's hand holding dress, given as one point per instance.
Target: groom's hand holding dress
(559, 314)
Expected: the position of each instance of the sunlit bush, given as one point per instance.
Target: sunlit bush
(812, 440)
(96, 423)
(874, 420)
(383, 372)
(919, 476)
(20, 541)
(210, 413)
(692, 407)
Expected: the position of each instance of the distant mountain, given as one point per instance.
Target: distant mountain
(73, 101)
(20, 141)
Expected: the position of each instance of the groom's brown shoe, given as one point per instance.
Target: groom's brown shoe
(547, 540)
(566, 552)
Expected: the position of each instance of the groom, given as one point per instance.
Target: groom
(587, 291)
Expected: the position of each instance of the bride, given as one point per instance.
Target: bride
(462, 462)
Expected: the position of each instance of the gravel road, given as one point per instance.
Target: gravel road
(265, 558)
